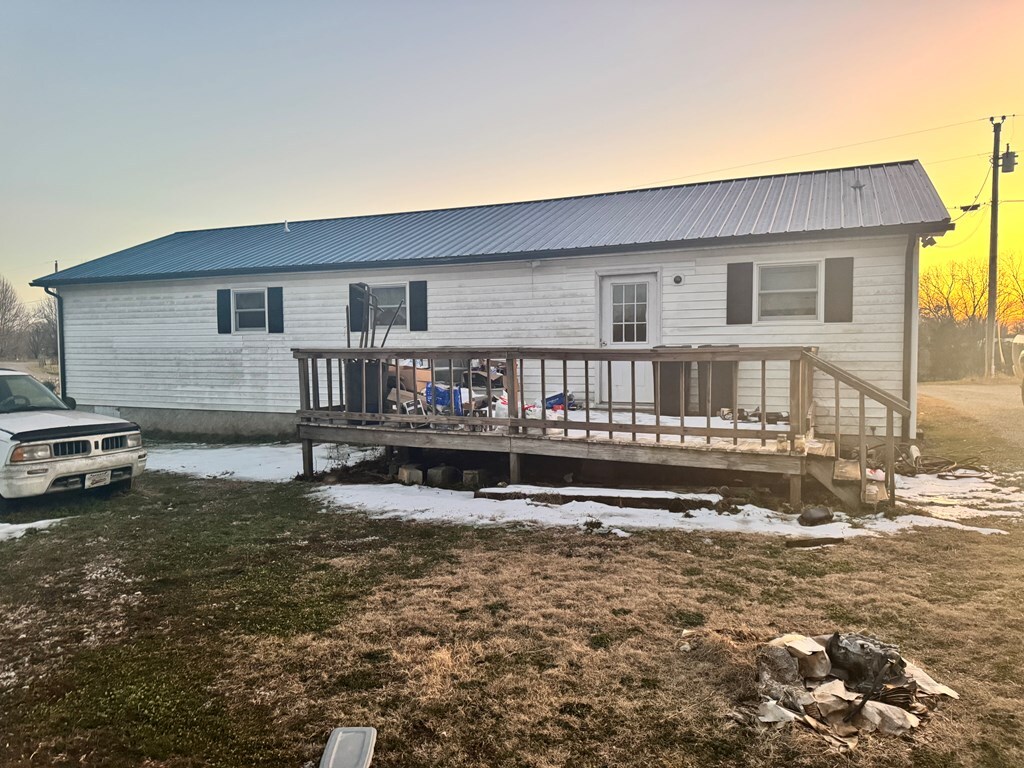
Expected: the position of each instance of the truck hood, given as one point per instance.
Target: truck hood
(43, 425)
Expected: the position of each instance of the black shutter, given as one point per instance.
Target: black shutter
(418, 305)
(224, 310)
(739, 299)
(355, 307)
(275, 310)
(839, 290)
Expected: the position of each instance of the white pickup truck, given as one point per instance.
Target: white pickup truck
(47, 446)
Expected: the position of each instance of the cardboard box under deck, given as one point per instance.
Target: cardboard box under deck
(412, 379)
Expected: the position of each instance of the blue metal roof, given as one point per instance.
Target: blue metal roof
(835, 201)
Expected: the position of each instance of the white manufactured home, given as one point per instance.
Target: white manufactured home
(195, 331)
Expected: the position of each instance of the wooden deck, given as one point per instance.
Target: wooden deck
(352, 396)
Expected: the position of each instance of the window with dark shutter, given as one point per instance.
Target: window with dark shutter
(418, 305)
(275, 310)
(739, 294)
(224, 310)
(356, 304)
(839, 290)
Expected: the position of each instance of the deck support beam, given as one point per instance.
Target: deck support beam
(515, 468)
(307, 459)
(796, 498)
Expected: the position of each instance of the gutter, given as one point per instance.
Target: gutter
(60, 340)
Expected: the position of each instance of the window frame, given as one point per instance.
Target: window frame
(386, 317)
(819, 292)
(235, 310)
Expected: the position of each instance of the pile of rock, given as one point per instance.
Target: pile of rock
(842, 686)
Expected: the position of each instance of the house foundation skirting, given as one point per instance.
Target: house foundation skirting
(187, 422)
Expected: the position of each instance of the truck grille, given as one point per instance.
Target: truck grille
(115, 443)
(71, 448)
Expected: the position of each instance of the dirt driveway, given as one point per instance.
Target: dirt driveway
(997, 406)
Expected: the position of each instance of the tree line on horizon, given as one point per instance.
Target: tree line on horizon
(953, 305)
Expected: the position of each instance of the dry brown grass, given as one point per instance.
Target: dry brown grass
(203, 623)
(560, 649)
(955, 433)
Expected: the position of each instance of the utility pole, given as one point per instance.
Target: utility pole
(993, 255)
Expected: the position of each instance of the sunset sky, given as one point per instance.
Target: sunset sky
(123, 122)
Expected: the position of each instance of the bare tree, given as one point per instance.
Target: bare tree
(1011, 291)
(956, 290)
(12, 319)
(41, 331)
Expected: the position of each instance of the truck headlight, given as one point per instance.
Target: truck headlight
(30, 453)
(134, 440)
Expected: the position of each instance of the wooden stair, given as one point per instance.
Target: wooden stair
(841, 477)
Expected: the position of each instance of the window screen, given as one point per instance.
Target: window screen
(250, 310)
(789, 290)
(388, 298)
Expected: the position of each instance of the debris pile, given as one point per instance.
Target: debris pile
(842, 686)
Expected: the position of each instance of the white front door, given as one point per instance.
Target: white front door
(630, 319)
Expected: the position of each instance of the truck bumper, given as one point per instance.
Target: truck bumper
(18, 481)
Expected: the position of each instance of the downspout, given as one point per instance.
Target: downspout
(60, 340)
(910, 311)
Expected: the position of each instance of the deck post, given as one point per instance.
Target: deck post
(512, 387)
(515, 468)
(796, 499)
(303, 384)
(307, 459)
(796, 402)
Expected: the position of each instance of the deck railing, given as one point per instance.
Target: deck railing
(665, 396)
(349, 384)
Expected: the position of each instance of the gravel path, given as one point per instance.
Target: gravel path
(997, 406)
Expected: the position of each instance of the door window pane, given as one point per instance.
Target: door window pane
(629, 313)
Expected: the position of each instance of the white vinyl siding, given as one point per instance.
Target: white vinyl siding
(155, 344)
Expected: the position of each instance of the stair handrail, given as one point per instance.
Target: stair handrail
(900, 406)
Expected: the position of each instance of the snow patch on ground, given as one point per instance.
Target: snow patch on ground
(17, 530)
(946, 501)
(275, 463)
(462, 507)
(960, 499)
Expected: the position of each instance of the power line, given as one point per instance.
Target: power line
(951, 159)
(812, 152)
(970, 208)
(981, 220)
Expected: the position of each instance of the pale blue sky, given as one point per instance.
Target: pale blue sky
(124, 121)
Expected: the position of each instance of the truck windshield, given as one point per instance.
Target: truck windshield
(23, 393)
